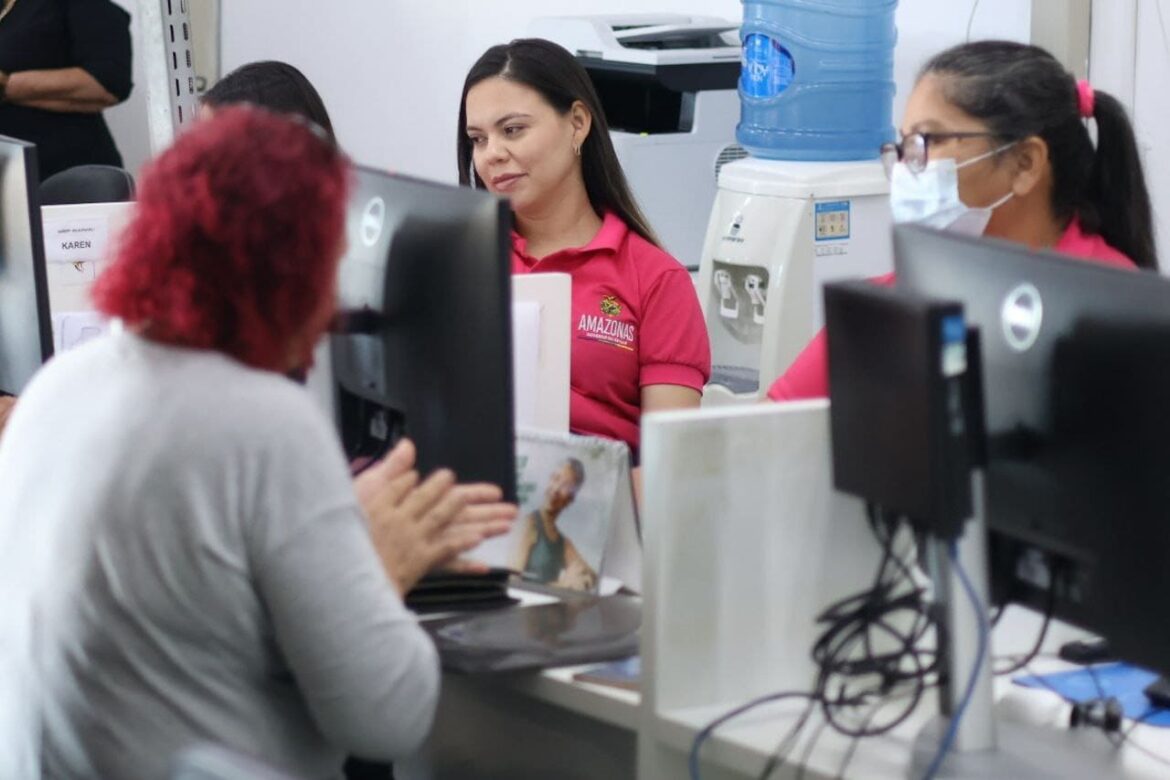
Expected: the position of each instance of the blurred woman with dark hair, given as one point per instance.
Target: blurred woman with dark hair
(200, 570)
(270, 84)
(276, 86)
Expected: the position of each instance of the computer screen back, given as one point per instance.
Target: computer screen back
(1058, 486)
(430, 264)
(26, 335)
(1024, 303)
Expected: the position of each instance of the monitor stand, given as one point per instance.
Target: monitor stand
(987, 746)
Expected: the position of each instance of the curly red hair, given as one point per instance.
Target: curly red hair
(234, 241)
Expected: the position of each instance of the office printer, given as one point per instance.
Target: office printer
(667, 84)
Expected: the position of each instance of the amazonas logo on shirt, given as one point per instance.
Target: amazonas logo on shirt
(606, 327)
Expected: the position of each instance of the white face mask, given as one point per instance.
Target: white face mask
(931, 197)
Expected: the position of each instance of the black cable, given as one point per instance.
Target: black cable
(1126, 737)
(862, 656)
(1128, 741)
(866, 618)
(709, 729)
(1101, 696)
(786, 745)
(1043, 682)
(1096, 681)
(1049, 609)
(1140, 719)
(853, 747)
(917, 681)
(806, 754)
(780, 754)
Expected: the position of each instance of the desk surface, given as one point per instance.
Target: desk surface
(605, 703)
(610, 705)
(570, 730)
(744, 745)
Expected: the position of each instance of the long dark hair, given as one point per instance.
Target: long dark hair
(560, 80)
(276, 86)
(1021, 91)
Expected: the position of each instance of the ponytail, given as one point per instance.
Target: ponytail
(1117, 187)
(1019, 91)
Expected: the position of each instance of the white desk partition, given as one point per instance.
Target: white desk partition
(542, 306)
(745, 543)
(79, 242)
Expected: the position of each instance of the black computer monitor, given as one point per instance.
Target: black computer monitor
(425, 297)
(26, 329)
(1076, 385)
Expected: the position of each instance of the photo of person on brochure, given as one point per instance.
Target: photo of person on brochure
(543, 552)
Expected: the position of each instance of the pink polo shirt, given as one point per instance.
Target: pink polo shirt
(636, 321)
(808, 376)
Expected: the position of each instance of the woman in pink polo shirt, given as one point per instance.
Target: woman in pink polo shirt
(995, 142)
(531, 129)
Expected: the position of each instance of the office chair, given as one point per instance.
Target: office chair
(87, 184)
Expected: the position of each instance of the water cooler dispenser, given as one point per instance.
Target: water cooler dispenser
(811, 203)
(777, 232)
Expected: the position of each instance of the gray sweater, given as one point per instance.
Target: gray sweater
(199, 570)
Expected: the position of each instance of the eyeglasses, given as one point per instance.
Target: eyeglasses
(913, 149)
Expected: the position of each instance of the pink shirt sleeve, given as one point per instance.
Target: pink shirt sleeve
(808, 376)
(673, 343)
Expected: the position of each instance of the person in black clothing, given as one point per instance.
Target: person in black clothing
(61, 63)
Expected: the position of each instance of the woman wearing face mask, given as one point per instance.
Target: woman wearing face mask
(995, 142)
(531, 129)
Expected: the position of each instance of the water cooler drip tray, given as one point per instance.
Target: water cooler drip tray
(735, 319)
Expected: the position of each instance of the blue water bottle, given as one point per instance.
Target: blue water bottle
(817, 78)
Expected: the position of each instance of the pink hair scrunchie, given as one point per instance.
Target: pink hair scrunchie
(1085, 98)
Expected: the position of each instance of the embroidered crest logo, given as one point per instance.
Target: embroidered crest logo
(607, 327)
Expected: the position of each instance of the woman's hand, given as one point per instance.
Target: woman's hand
(417, 527)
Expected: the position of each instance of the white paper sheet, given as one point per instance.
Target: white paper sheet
(525, 361)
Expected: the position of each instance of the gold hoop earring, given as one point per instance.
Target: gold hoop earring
(577, 149)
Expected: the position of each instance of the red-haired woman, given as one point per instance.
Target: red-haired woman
(181, 519)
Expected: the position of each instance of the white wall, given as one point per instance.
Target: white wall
(1130, 57)
(127, 121)
(1152, 112)
(391, 71)
(926, 27)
